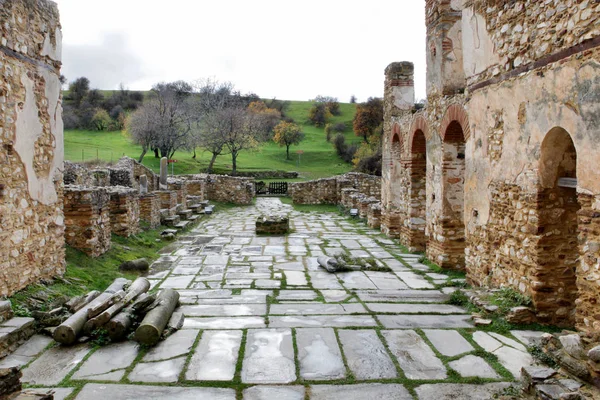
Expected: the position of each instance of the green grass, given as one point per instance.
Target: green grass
(318, 160)
(85, 273)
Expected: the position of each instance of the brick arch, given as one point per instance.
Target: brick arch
(418, 124)
(456, 112)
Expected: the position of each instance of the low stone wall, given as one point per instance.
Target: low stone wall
(374, 216)
(168, 200)
(124, 211)
(345, 197)
(320, 191)
(77, 174)
(329, 190)
(87, 219)
(365, 206)
(150, 209)
(179, 186)
(230, 189)
(196, 187)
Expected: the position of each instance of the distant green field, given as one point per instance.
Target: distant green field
(318, 160)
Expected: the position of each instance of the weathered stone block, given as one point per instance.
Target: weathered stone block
(272, 225)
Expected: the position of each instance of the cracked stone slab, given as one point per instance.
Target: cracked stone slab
(177, 282)
(108, 363)
(269, 357)
(366, 355)
(332, 321)
(324, 280)
(473, 366)
(356, 280)
(264, 392)
(414, 356)
(484, 340)
(513, 359)
(162, 371)
(415, 308)
(224, 323)
(528, 337)
(334, 296)
(224, 310)
(54, 365)
(26, 352)
(403, 296)
(178, 344)
(319, 355)
(414, 281)
(453, 391)
(215, 357)
(95, 391)
(360, 392)
(425, 321)
(315, 309)
(448, 343)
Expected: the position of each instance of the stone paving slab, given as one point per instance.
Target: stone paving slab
(265, 392)
(108, 363)
(415, 308)
(178, 344)
(59, 393)
(269, 357)
(402, 296)
(332, 321)
(319, 355)
(224, 323)
(473, 366)
(414, 356)
(366, 355)
(425, 321)
(54, 365)
(315, 309)
(215, 357)
(454, 391)
(376, 391)
(95, 391)
(158, 372)
(448, 343)
(226, 310)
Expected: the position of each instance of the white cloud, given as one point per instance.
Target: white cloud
(291, 50)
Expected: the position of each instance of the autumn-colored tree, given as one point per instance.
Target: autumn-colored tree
(287, 134)
(269, 116)
(368, 117)
(100, 120)
(319, 114)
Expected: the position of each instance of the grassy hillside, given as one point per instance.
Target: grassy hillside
(319, 158)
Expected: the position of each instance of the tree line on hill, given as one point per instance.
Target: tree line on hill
(367, 124)
(217, 118)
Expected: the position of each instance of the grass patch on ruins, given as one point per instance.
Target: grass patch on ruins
(318, 160)
(85, 273)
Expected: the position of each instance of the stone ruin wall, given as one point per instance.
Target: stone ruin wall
(88, 226)
(517, 94)
(329, 190)
(223, 188)
(31, 144)
(124, 211)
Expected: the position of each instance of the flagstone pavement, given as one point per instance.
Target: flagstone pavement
(264, 321)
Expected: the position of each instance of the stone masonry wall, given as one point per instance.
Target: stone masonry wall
(124, 211)
(230, 189)
(329, 190)
(87, 219)
(526, 115)
(31, 144)
(150, 209)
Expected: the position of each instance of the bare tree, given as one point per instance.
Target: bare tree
(246, 131)
(142, 127)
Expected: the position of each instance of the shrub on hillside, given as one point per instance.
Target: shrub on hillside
(344, 150)
(319, 115)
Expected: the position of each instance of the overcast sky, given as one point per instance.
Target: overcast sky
(275, 48)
